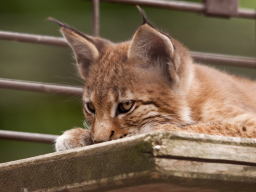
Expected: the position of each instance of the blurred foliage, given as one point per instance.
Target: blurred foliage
(52, 114)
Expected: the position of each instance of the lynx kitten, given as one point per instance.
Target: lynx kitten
(151, 84)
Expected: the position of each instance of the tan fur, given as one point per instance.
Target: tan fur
(170, 92)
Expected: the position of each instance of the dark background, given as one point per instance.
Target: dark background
(53, 114)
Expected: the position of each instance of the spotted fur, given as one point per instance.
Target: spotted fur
(169, 91)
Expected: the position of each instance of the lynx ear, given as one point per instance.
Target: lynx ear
(84, 47)
(157, 50)
(149, 43)
(85, 51)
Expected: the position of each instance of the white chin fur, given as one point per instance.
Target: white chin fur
(185, 115)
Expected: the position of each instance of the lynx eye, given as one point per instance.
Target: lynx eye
(125, 107)
(91, 107)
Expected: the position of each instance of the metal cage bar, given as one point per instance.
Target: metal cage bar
(227, 60)
(31, 137)
(32, 38)
(96, 18)
(40, 87)
(182, 6)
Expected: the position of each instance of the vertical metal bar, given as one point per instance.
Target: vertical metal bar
(255, 34)
(96, 17)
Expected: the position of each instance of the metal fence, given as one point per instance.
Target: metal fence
(224, 8)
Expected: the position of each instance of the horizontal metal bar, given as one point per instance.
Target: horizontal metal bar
(40, 87)
(246, 13)
(174, 5)
(31, 38)
(31, 137)
(218, 59)
(182, 6)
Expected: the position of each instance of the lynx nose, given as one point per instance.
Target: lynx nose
(100, 137)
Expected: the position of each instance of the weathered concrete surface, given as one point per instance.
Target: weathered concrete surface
(154, 162)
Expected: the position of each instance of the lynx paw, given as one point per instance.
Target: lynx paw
(73, 138)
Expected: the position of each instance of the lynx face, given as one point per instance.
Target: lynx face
(132, 86)
(122, 96)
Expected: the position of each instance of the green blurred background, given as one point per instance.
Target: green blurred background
(53, 114)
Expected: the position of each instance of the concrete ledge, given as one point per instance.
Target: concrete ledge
(152, 162)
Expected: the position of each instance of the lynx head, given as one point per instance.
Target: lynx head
(134, 85)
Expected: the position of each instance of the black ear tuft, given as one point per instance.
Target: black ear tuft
(56, 21)
(143, 14)
(64, 25)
